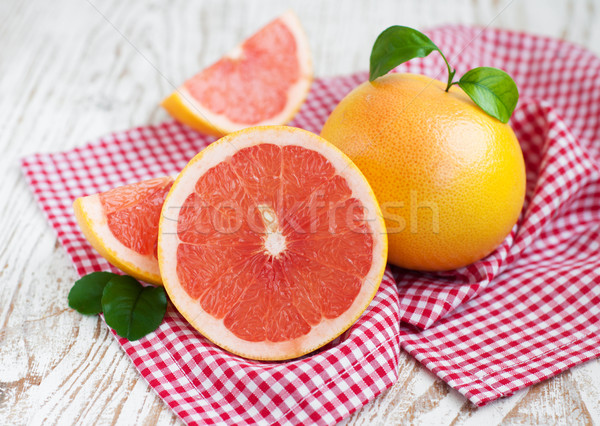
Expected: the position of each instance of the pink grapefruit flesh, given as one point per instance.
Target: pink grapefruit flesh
(271, 243)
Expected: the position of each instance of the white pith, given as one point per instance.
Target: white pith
(295, 95)
(274, 240)
(275, 243)
(213, 328)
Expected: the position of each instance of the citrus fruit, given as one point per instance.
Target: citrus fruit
(450, 179)
(264, 80)
(122, 225)
(271, 242)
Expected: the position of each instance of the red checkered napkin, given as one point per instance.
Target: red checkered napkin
(528, 311)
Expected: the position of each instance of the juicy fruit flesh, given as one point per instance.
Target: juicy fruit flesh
(253, 87)
(273, 242)
(133, 212)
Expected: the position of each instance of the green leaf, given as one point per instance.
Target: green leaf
(86, 294)
(131, 309)
(493, 90)
(396, 45)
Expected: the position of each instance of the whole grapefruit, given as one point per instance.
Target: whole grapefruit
(450, 179)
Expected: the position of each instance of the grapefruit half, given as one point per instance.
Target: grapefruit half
(264, 80)
(122, 225)
(271, 242)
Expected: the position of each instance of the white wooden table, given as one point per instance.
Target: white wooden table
(72, 70)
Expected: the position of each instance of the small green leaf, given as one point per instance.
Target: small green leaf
(396, 45)
(86, 294)
(493, 90)
(131, 309)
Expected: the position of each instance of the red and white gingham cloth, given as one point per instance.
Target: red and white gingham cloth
(525, 313)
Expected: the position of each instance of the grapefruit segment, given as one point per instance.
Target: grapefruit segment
(122, 225)
(264, 80)
(259, 172)
(262, 287)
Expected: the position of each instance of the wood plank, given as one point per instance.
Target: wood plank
(69, 76)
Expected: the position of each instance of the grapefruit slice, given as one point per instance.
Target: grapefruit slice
(122, 225)
(264, 80)
(271, 242)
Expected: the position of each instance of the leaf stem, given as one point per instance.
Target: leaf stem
(451, 72)
(452, 84)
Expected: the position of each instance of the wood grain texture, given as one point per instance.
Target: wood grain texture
(72, 70)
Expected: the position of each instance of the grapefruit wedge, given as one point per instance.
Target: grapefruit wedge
(271, 242)
(264, 80)
(122, 225)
